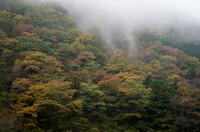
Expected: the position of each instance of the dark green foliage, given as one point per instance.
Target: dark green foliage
(4, 98)
(98, 41)
(6, 22)
(16, 6)
(149, 36)
(159, 111)
(189, 65)
(52, 36)
(72, 35)
(99, 56)
(93, 101)
(34, 44)
(191, 49)
(121, 43)
(61, 36)
(2, 35)
(34, 18)
(8, 54)
(147, 81)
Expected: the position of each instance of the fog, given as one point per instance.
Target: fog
(129, 15)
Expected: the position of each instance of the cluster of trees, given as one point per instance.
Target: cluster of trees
(171, 38)
(54, 77)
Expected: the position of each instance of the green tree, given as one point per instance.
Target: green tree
(93, 102)
(189, 65)
(34, 44)
(159, 111)
(72, 35)
(133, 98)
(6, 22)
(99, 56)
(187, 107)
(110, 85)
(2, 35)
(8, 54)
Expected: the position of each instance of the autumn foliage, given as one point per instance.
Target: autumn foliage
(23, 29)
(54, 77)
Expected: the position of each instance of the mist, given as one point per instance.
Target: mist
(130, 15)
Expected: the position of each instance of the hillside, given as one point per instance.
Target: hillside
(55, 77)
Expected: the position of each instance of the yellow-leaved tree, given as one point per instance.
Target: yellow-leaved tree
(48, 106)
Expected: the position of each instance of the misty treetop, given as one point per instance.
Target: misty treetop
(56, 77)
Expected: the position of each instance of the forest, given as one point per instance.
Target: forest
(55, 77)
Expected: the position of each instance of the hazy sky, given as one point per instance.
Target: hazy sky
(130, 14)
(141, 9)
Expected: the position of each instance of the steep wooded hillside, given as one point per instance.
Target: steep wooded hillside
(54, 77)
